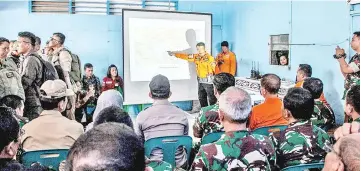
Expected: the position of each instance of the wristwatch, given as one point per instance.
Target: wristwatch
(339, 56)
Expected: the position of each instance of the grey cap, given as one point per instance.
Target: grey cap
(159, 86)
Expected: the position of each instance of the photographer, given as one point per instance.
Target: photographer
(226, 60)
(350, 71)
(88, 96)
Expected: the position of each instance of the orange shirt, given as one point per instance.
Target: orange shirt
(268, 113)
(204, 64)
(322, 97)
(229, 63)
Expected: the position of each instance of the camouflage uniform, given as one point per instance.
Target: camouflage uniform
(237, 150)
(158, 165)
(89, 106)
(356, 120)
(302, 142)
(95, 82)
(208, 121)
(323, 115)
(353, 78)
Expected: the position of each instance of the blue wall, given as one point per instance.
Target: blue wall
(306, 22)
(245, 24)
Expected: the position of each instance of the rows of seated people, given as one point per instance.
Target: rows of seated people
(113, 142)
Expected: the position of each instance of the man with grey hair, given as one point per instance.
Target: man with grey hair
(238, 148)
(162, 119)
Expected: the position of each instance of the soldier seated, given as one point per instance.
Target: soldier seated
(322, 116)
(268, 113)
(302, 142)
(353, 104)
(208, 121)
(237, 149)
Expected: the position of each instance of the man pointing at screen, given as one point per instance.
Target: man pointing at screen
(205, 66)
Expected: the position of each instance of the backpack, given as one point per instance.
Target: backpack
(75, 72)
(49, 71)
(10, 82)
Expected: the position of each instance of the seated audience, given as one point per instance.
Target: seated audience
(304, 71)
(238, 149)
(113, 114)
(322, 116)
(268, 113)
(112, 80)
(157, 165)
(348, 149)
(106, 99)
(17, 103)
(352, 109)
(11, 133)
(108, 146)
(162, 119)
(208, 121)
(346, 129)
(302, 142)
(51, 130)
(346, 152)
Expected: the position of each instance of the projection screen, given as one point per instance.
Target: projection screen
(147, 36)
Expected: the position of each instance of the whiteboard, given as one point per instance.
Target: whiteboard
(147, 36)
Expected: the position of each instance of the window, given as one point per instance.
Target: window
(102, 7)
(279, 49)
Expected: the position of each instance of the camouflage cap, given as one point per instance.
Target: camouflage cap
(53, 89)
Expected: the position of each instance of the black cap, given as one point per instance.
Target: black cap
(159, 86)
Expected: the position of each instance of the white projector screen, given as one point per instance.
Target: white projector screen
(147, 36)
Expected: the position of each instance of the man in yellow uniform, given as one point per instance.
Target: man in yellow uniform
(226, 60)
(205, 66)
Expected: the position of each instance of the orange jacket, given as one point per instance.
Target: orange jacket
(268, 113)
(204, 64)
(322, 97)
(226, 62)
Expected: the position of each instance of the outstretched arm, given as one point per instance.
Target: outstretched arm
(188, 57)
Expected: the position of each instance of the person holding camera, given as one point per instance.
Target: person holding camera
(350, 70)
(87, 96)
(226, 60)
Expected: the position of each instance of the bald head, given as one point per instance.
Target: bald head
(271, 83)
(236, 104)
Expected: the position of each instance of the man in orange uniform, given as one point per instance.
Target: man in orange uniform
(305, 71)
(205, 66)
(268, 113)
(226, 60)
